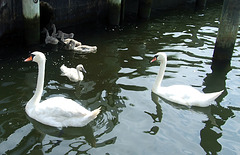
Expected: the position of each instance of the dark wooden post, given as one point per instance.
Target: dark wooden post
(201, 4)
(114, 12)
(144, 9)
(31, 15)
(122, 11)
(228, 30)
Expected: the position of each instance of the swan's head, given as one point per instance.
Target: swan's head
(53, 26)
(70, 45)
(81, 68)
(71, 35)
(160, 56)
(36, 57)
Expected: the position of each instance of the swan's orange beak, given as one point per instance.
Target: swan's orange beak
(28, 59)
(154, 59)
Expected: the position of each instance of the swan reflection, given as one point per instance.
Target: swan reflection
(66, 132)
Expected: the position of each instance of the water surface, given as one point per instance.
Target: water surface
(119, 79)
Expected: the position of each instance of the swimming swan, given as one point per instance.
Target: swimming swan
(60, 34)
(181, 94)
(64, 35)
(74, 74)
(50, 39)
(71, 42)
(55, 111)
(72, 45)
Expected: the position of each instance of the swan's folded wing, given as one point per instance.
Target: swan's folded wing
(64, 69)
(71, 73)
(181, 94)
(60, 107)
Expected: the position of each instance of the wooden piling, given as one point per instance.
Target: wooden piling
(201, 4)
(122, 11)
(31, 15)
(227, 33)
(144, 9)
(114, 12)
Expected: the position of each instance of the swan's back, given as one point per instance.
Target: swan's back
(60, 111)
(72, 73)
(187, 95)
(64, 70)
(64, 106)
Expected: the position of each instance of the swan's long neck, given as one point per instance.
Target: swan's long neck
(79, 74)
(159, 78)
(47, 34)
(54, 30)
(40, 82)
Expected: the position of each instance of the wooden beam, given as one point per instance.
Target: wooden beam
(227, 33)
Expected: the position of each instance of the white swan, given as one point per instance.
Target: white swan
(181, 94)
(85, 49)
(75, 46)
(74, 74)
(55, 111)
(70, 44)
(73, 42)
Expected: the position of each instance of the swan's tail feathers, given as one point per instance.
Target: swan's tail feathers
(63, 69)
(214, 95)
(95, 112)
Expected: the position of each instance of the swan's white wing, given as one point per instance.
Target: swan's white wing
(61, 107)
(71, 73)
(66, 71)
(60, 112)
(187, 95)
(181, 94)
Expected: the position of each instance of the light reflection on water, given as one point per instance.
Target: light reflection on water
(119, 79)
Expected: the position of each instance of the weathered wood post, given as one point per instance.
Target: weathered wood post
(122, 11)
(114, 12)
(227, 33)
(144, 9)
(31, 15)
(201, 4)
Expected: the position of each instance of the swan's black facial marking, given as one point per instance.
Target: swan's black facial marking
(30, 58)
(32, 55)
(154, 58)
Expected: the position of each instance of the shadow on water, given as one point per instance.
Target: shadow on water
(34, 139)
(209, 137)
(66, 132)
(216, 81)
(157, 117)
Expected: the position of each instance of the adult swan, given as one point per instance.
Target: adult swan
(181, 94)
(55, 111)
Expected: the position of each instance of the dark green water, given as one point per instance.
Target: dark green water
(119, 79)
